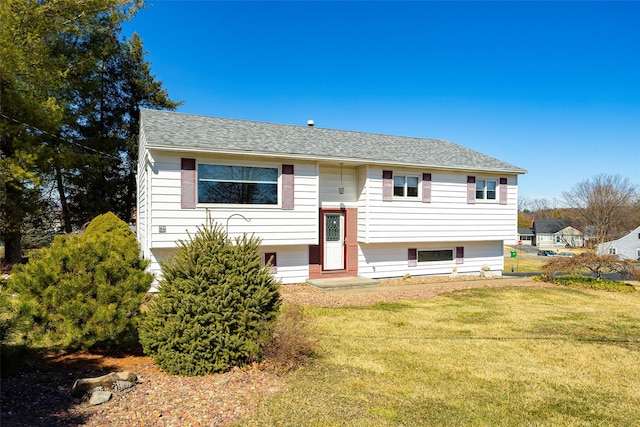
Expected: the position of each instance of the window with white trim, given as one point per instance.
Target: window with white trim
(486, 189)
(405, 186)
(435, 255)
(237, 184)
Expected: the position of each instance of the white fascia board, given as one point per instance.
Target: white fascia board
(346, 160)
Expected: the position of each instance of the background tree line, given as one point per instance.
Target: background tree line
(71, 87)
(604, 207)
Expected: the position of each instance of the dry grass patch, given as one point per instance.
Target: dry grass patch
(504, 356)
(294, 339)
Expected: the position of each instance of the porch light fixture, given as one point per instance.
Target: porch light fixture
(341, 188)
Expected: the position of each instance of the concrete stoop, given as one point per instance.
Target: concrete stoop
(339, 283)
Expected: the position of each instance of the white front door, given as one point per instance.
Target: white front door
(333, 241)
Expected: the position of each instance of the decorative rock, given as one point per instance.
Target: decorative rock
(121, 385)
(83, 385)
(99, 397)
(486, 272)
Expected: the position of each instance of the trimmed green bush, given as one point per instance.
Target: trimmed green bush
(83, 290)
(215, 308)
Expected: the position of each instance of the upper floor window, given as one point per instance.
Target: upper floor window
(405, 186)
(237, 185)
(486, 189)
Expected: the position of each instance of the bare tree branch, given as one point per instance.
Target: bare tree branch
(603, 203)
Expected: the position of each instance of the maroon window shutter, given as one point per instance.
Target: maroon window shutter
(272, 259)
(503, 191)
(314, 254)
(412, 257)
(188, 183)
(387, 186)
(471, 189)
(287, 187)
(459, 254)
(426, 188)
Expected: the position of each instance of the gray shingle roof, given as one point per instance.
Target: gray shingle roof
(166, 129)
(550, 226)
(525, 231)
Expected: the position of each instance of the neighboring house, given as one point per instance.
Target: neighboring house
(526, 236)
(557, 233)
(627, 247)
(326, 203)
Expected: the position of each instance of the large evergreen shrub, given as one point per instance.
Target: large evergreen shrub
(84, 289)
(215, 308)
(6, 314)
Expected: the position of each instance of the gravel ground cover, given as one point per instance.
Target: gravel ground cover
(39, 394)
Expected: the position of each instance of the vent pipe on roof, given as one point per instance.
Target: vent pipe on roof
(310, 123)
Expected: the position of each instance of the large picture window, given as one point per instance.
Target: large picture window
(405, 186)
(237, 185)
(486, 189)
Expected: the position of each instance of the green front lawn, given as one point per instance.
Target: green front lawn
(481, 357)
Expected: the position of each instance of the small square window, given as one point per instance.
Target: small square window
(486, 189)
(405, 186)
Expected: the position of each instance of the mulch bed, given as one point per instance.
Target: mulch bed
(38, 394)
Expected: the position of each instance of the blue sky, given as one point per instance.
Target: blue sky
(551, 87)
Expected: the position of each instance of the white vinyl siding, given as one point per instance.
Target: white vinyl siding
(377, 261)
(447, 218)
(142, 198)
(270, 223)
(626, 247)
(363, 203)
(332, 179)
(293, 262)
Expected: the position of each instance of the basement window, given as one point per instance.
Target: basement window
(433, 256)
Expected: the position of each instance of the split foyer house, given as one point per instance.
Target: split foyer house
(325, 203)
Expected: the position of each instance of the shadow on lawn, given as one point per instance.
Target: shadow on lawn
(36, 386)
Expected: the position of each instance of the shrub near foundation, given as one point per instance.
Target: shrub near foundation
(84, 289)
(215, 308)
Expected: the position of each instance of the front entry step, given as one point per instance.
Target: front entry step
(336, 283)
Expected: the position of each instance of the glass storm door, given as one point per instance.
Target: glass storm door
(333, 241)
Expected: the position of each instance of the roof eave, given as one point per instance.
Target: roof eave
(307, 157)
